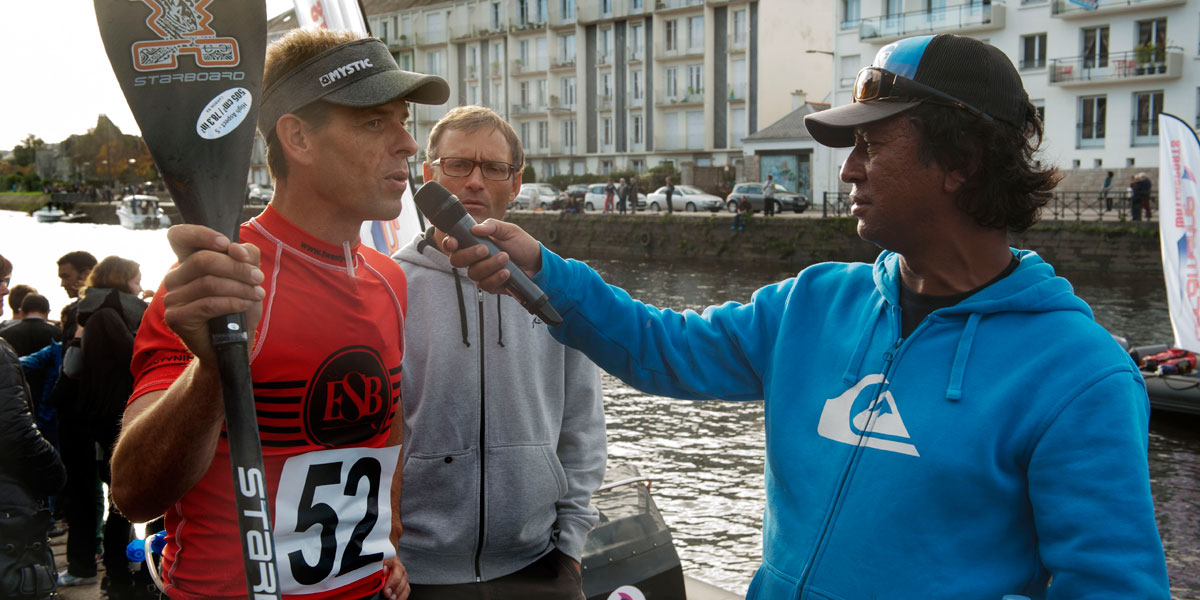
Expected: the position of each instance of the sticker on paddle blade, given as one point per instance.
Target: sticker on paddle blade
(224, 113)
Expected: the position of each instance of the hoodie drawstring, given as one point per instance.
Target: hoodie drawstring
(954, 390)
(462, 307)
(850, 377)
(499, 323)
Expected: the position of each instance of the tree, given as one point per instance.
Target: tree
(25, 153)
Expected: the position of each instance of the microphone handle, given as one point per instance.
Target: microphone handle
(527, 293)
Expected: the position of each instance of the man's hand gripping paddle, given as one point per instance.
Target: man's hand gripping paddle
(192, 73)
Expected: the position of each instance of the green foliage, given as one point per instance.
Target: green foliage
(17, 179)
(25, 153)
(529, 175)
(32, 181)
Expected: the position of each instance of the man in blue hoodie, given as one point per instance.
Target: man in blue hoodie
(926, 450)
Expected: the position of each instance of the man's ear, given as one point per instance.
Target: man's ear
(295, 137)
(426, 171)
(516, 188)
(954, 181)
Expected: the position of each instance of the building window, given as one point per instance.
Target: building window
(848, 70)
(604, 44)
(637, 129)
(383, 31)
(524, 93)
(541, 92)
(606, 7)
(851, 14)
(566, 48)
(539, 13)
(523, 53)
(525, 135)
(635, 5)
(434, 62)
(568, 9)
(738, 116)
(543, 59)
(636, 83)
(1095, 47)
(606, 131)
(669, 82)
(671, 130)
(1033, 51)
(568, 134)
(1154, 33)
(495, 16)
(568, 92)
(405, 60)
(696, 33)
(605, 167)
(1146, 108)
(739, 27)
(639, 165)
(671, 35)
(543, 134)
(606, 85)
(550, 168)
(695, 75)
(738, 68)
(695, 130)
(1039, 106)
(1092, 117)
(635, 41)
(433, 27)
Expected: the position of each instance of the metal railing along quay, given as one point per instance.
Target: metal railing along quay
(1080, 206)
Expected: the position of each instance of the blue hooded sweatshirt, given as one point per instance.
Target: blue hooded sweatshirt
(1002, 444)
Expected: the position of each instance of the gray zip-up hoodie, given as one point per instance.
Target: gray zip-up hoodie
(504, 437)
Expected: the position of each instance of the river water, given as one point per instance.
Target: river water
(706, 458)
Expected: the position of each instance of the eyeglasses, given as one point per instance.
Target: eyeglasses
(874, 83)
(493, 170)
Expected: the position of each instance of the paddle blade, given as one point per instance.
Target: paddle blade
(191, 71)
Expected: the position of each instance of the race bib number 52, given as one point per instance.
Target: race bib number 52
(333, 515)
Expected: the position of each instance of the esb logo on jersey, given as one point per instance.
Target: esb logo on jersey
(183, 27)
(349, 398)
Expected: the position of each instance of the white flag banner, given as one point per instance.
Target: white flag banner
(384, 236)
(1179, 167)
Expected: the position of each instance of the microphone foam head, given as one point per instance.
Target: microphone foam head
(438, 205)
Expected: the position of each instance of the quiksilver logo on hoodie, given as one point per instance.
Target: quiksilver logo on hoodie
(344, 70)
(877, 426)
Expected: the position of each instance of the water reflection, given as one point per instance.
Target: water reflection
(708, 456)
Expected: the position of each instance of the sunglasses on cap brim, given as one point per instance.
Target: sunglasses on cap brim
(874, 83)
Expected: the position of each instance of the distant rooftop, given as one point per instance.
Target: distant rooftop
(790, 127)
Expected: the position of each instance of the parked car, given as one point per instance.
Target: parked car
(686, 198)
(259, 194)
(594, 200)
(547, 196)
(576, 191)
(784, 200)
(525, 199)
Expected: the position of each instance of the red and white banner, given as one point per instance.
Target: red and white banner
(1179, 168)
(385, 236)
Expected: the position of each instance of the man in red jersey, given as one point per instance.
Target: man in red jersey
(328, 318)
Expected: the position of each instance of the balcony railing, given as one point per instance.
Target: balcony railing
(404, 40)
(1032, 63)
(605, 102)
(527, 109)
(692, 97)
(634, 54)
(1078, 70)
(671, 4)
(1067, 9)
(558, 106)
(603, 59)
(562, 64)
(635, 101)
(950, 18)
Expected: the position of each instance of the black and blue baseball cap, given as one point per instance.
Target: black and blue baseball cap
(944, 69)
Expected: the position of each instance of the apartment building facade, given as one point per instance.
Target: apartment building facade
(1100, 76)
(596, 86)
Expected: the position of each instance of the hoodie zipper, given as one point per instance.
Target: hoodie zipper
(889, 357)
(482, 441)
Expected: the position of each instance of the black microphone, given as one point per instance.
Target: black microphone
(449, 215)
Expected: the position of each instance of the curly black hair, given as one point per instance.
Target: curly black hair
(1006, 187)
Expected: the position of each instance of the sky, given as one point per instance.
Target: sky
(57, 79)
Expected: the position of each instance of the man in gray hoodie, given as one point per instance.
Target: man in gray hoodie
(503, 426)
